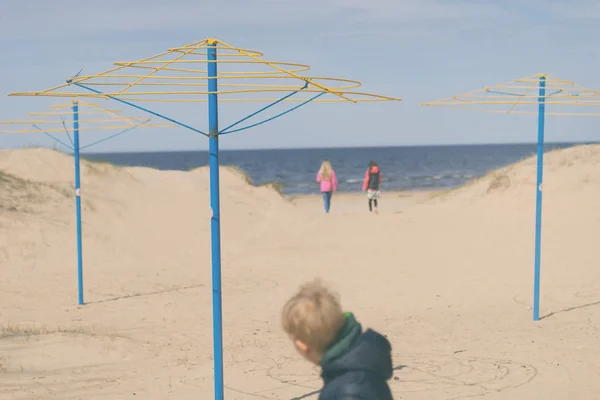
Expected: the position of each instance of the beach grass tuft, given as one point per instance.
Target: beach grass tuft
(18, 193)
(24, 330)
(276, 186)
(241, 173)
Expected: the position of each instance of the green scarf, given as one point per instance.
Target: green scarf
(347, 337)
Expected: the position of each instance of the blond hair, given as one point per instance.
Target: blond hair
(325, 170)
(314, 316)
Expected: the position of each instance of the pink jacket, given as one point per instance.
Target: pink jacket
(328, 185)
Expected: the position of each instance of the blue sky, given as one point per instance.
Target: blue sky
(417, 50)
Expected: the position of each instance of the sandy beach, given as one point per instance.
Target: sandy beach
(447, 276)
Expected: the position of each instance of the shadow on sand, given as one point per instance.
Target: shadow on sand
(129, 296)
(570, 309)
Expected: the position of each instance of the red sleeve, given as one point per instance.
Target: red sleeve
(366, 180)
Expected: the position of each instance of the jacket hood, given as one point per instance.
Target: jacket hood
(371, 353)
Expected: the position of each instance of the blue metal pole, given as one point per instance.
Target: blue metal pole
(78, 200)
(215, 223)
(538, 203)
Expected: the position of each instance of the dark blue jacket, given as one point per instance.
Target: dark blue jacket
(360, 372)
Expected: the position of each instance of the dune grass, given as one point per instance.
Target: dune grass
(20, 331)
(498, 180)
(241, 173)
(95, 167)
(276, 186)
(17, 193)
(14, 181)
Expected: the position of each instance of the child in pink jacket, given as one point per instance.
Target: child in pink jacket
(326, 177)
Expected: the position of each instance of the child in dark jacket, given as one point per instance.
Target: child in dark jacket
(355, 364)
(371, 185)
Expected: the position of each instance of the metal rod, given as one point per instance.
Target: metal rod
(141, 108)
(538, 203)
(78, 201)
(263, 109)
(215, 222)
(275, 116)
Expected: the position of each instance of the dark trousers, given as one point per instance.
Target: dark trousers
(371, 202)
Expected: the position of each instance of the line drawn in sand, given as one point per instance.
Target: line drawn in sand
(458, 376)
(436, 376)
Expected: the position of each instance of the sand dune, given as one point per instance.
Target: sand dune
(447, 276)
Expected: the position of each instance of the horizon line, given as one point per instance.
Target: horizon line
(350, 147)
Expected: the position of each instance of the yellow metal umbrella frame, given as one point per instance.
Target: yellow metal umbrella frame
(210, 71)
(180, 74)
(96, 118)
(531, 95)
(522, 96)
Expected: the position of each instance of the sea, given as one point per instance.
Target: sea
(403, 168)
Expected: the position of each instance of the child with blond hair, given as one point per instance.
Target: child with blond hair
(355, 364)
(327, 179)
